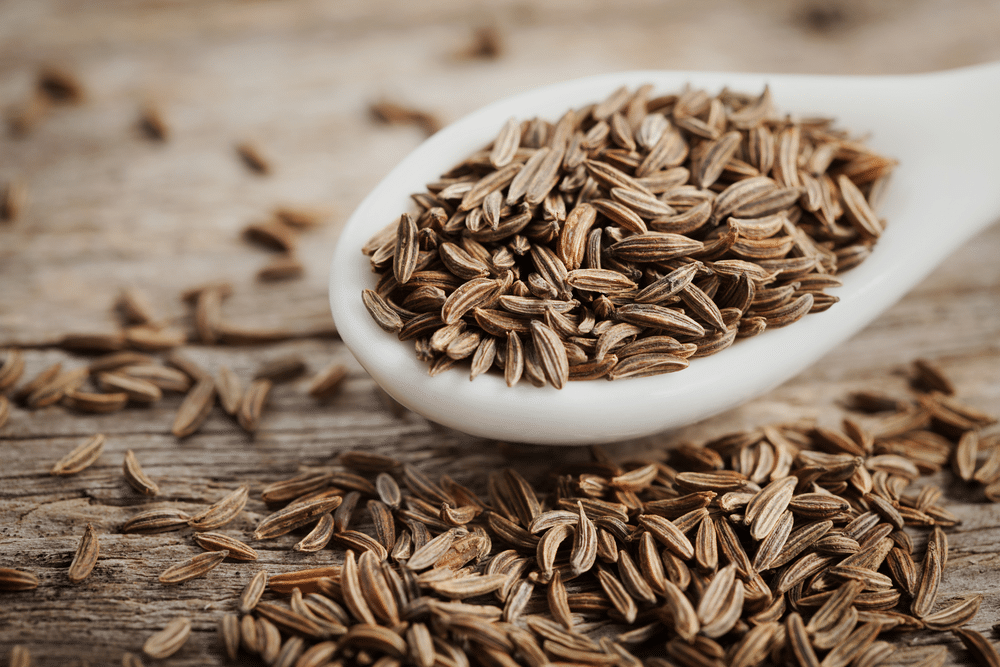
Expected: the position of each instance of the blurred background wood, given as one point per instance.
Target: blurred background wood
(109, 209)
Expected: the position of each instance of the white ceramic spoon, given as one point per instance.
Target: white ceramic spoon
(942, 127)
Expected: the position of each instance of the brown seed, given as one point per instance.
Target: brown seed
(984, 652)
(13, 199)
(135, 389)
(392, 113)
(16, 580)
(167, 379)
(305, 580)
(218, 542)
(282, 369)
(253, 403)
(285, 266)
(252, 592)
(59, 85)
(156, 521)
(54, 390)
(752, 649)
(552, 354)
(318, 537)
(955, 615)
(229, 390)
(799, 641)
(381, 312)
(301, 217)
(86, 556)
(136, 476)
(169, 640)
(229, 632)
(194, 410)
(930, 576)
(19, 657)
(290, 620)
(328, 382)
(618, 595)
(85, 454)
(506, 143)
(268, 641)
(93, 402)
(292, 517)
(223, 511)
(11, 370)
(253, 158)
(149, 338)
(196, 566)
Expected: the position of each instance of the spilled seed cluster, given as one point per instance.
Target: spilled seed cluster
(143, 361)
(627, 238)
(787, 544)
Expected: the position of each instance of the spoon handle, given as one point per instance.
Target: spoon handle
(958, 140)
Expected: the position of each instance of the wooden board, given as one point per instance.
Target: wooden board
(111, 209)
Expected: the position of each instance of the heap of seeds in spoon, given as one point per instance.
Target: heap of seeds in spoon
(627, 238)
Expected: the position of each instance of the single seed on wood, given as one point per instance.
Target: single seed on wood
(169, 640)
(981, 648)
(152, 123)
(301, 217)
(81, 457)
(223, 511)
(194, 410)
(217, 542)
(136, 476)
(393, 113)
(59, 85)
(292, 517)
(229, 631)
(194, 567)
(282, 369)
(283, 267)
(16, 580)
(148, 338)
(156, 521)
(253, 158)
(253, 404)
(252, 593)
(86, 556)
(272, 235)
(13, 200)
(19, 657)
(229, 390)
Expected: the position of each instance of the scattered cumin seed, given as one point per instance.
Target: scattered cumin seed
(16, 580)
(153, 124)
(192, 568)
(253, 403)
(283, 267)
(392, 113)
(251, 155)
(86, 556)
(169, 640)
(81, 457)
(13, 200)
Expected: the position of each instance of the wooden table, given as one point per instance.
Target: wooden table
(111, 209)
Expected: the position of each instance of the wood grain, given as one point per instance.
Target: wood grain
(110, 209)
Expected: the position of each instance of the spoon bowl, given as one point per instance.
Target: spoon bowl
(940, 127)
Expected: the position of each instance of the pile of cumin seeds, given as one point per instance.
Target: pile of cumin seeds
(628, 237)
(790, 544)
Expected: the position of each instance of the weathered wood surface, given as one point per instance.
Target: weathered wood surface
(110, 209)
